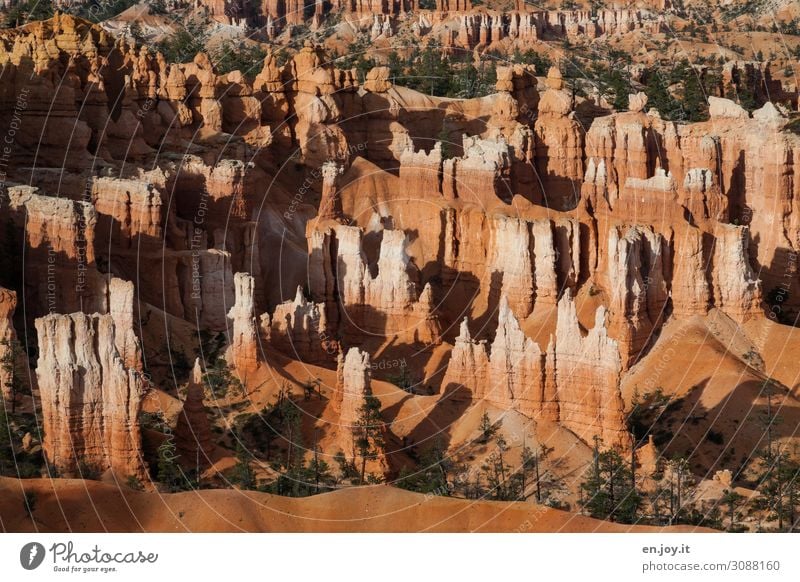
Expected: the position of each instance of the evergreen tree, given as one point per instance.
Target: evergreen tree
(247, 58)
(498, 472)
(731, 500)
(778, 490)
(220, 379)
(487, 429)
(242, 474)
(368, 433)
(169, 472)
(608, 492)
(29, 11)
(182, 45)
(659, 96)
(431, 473)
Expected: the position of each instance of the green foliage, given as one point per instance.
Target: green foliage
(136, 33)
(100, 10)
(153, 421)
(133, 483)
(368, 433)
(715, 437)
(430, 475)
(431, 73)
(681, 93)
(282, 422)
(356, 58)
(182, 45)
(608, 493)
(403, 379)
(498, 472)
(779, 490)
(347, 469)
(242, 473)
(29, 11)
(220, 379)
(239, 56)
(487, 428)
(157, 7)
(169, 472)
(21, 464)
(615, 85)
(659, 96)
(732, 500)
(471, 82)
(304, 479)
(541, 62)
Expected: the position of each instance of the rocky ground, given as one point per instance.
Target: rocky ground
(566, 288)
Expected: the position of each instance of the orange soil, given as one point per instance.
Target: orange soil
(88, 506)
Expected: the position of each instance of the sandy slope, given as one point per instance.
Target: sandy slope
(87, 506)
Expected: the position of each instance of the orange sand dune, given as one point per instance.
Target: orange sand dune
(63, 505)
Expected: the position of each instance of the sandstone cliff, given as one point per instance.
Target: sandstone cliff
(90, 399)
(193, 439)
(8, 303)
(243, 350)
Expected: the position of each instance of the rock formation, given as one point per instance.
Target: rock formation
(575, 381)
(243, 351)
(559, 146)
(90, 399)
(193, 440)
(8, 303)
(299, 328)
(469, 362)
(352, 388)
(737, 291)
(517, 370)
(387, 304)
(355, 211)
(587, 375)
(637, 287)
(58, 233)
(129, 214)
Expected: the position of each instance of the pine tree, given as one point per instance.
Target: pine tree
(368, 433)
(732, 500)
(778, 489)
(169, 472)
(242, 474)
(608, 493)
(487, 429)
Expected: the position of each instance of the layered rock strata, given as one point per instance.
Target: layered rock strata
(90, 399)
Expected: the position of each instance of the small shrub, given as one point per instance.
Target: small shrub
(715, 437)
